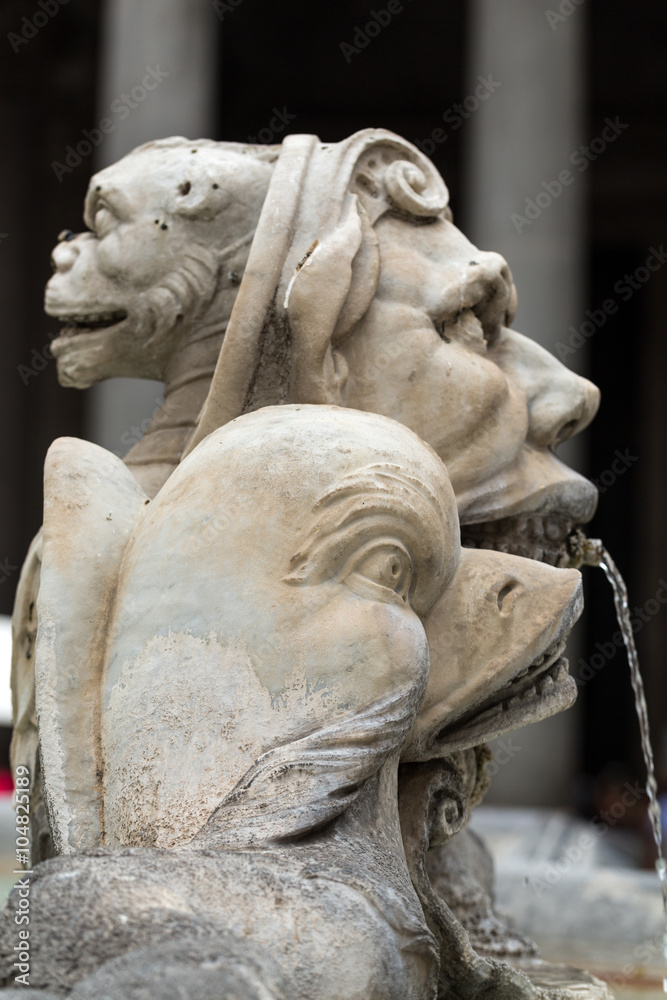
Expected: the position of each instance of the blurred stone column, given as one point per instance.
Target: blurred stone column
(518, 140)
(175, 44)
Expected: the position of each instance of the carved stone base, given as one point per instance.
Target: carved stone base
(563, 982)
(462, 873)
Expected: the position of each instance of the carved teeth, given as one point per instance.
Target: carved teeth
(543, 684)
(494, 710)
(94, 319)
(559, 671)
(552, 529)
(555, 673)
(530, 536)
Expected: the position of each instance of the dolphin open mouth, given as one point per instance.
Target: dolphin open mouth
(545, 687)
(78, 323)
(540, 690)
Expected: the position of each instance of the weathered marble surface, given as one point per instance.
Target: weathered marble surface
(222, 714)
(315, 273)
(310, 272)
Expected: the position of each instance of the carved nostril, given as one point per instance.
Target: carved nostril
(566, 431)
(505, 592)
(563, 404)
(555, 416)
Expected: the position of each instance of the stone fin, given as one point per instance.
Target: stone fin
(91, 505)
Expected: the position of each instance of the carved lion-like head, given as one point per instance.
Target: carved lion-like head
(170, 226)
(359, 291)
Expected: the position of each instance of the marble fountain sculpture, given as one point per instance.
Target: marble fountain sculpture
(254, 669)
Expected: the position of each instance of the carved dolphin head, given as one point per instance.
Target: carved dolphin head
(256, 633)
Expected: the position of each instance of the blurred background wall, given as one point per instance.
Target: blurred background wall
(504, 95)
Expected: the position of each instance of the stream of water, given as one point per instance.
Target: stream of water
(595, 554)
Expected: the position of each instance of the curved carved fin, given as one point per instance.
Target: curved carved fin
(91, 505)
(300, 786)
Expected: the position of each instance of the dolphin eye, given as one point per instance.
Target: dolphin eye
(383, 572)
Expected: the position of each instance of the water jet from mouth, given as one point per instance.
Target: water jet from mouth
(591, 552)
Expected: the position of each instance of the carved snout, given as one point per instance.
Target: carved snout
(495, 639)
(75, 284)
(560, 402)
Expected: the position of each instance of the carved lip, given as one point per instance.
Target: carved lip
(541, 690)
(536, 485)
